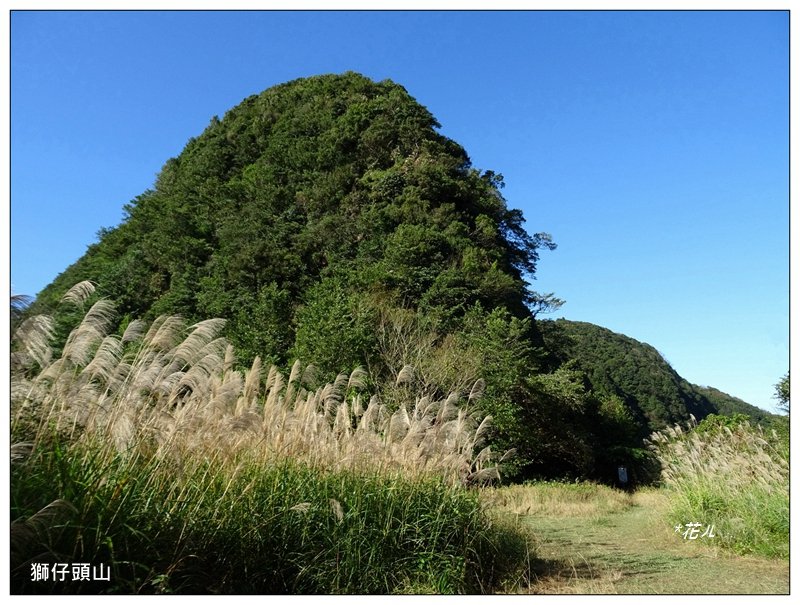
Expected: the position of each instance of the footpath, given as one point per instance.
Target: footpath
(633, 551)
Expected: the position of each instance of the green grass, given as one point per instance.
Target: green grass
(149, 452)
(751, 521)
(628, 548)
(736, 480)
(283, 528)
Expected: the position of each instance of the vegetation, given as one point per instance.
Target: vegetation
(592, 539)
(782, 393)
(317, 200)
(147, 451)
(653, 392)
(559, 499)
(732, 476)
(327, 219)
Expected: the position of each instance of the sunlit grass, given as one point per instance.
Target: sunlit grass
(555, 498)
(149, 452)
(734, 479)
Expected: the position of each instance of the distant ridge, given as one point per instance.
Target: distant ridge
(635, 371)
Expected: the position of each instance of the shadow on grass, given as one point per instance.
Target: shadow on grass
(593, 564)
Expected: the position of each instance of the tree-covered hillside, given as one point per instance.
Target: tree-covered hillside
(316, 199)
(728, 405)
(327, 220)
(615, 364)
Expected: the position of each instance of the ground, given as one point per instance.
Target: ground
(615, 543)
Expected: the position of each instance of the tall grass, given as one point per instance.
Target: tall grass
(736, 479)
(147, 450)
(559, 499)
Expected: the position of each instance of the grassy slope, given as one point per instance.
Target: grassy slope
(600, 541)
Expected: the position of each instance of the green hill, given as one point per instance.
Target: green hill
(301, 196)
(728, 405)
(615, 364)
(327, 219)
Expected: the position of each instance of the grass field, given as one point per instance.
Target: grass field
(148, 451)
(595, 540)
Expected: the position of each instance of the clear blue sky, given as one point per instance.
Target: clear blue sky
(653, 146)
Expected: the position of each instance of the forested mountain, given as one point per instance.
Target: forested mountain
(309, 200)
(615, 364)
(728, 405)
(327, 219)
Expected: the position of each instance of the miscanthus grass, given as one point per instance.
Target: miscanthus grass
(147, 450)
(735, 479)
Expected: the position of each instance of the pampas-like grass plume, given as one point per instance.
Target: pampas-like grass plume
(174, 391)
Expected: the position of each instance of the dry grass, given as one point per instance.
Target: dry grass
(179, 393)
(575, 578)
(736, 457)
(548, 498)
(736, 479)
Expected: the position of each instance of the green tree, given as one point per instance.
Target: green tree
(335, 328)
(782, 393)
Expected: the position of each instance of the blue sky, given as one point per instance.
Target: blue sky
(653, 146)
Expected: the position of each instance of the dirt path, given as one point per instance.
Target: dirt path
(633, 551)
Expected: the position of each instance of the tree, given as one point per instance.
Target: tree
(782, 393)
(544, 303)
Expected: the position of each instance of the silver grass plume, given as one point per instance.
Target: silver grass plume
(79, 293)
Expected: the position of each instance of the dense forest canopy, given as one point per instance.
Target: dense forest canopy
(303, 195)
(327, 219)
(615, 364)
